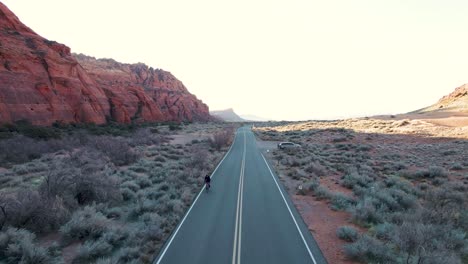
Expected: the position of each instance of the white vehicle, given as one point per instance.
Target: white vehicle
(288, 145)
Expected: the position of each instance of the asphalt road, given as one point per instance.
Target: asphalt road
(246, 217)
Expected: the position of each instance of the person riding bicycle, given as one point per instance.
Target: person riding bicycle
(207, 181)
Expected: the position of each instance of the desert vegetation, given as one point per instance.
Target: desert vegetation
(403, 192)
(99, 194)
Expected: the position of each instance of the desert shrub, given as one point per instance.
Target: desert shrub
(27, 209)
(82, 178)
(160, 159)
(198, 159)
(315, 169)
(18, 246)
(91, 250)
(370, 250)
(339, 139)
(365, 212)
(130, 185)
(128, 255)
(144, 137)
(347, 233)
(85, 223)
(456, 166)
(353, 179)
(21, 149)
(322, 193)
(435, 171)
(114, 212)
(143, 182)
(174, 126)
(24, 127)
(419, 242)
(312, 185)
(432, 172)
(221, 138)
(127, 194)
(384, 231)
(116, 148)
(444, 205)
(364, 147)
(340, 201)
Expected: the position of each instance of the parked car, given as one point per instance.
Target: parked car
(288, 145)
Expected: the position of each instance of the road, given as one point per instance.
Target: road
(246, 217)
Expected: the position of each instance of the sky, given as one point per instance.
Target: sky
(284, 60)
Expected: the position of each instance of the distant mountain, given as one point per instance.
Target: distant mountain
(456, 102)
(254, 118)
(227, 115)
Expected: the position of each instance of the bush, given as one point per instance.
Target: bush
(353, 179)
(347, 233)
(116, 148)
(174, 126)
(91, 250)
(384, 231)
(365, 212)
(18, 246)
(370, 250)
(315, 169)
(82, 178)
(144, 137)
(421, 242)
(27, 209)
(340, 201)
(322, 193)
(221, 139)
(84, 224)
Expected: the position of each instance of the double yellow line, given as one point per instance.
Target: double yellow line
(236, 252)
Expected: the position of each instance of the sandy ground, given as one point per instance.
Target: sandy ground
(322, 223)
(447, 119)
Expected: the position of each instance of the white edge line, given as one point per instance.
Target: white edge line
(290, 212)
(190, 209)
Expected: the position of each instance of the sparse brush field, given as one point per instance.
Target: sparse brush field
(100, 194)
(398, 190)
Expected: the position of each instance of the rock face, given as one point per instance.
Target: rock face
(456, 102)
(136, 91)
(227, 115)
(41, 81)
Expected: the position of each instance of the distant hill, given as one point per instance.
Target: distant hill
(227, 115)
(254, 118)
(456, 102)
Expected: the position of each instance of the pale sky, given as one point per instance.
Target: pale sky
(290, 60)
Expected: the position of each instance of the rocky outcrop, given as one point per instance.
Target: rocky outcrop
(456, 102)
(136, 91)
(41, 81)
(227, 115)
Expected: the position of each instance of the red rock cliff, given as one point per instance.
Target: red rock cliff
(41, 81)
(139, 91)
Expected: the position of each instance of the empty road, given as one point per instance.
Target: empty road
(246, 217)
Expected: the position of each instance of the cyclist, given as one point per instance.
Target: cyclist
(207, 182)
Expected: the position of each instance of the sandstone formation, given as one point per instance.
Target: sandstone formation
(136, 91)
(41, 81)
(455, 102)
(227, 115)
